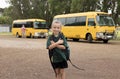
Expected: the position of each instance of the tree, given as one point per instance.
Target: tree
(83, 5)
(25, 8)
(57, 7)
(6, 17)
(89, 5)
(118, 12)
(16, 8)
(76, 5)
(5, 20)
(38, 8)
(47, 9)
(114, 5)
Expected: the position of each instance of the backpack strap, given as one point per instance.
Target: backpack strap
(75, 65)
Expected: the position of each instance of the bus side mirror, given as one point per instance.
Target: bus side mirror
(94, 24)
(117, 25)
(47, 28)
(91, 24)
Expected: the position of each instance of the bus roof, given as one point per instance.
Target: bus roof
(79, 14)
(26, 20)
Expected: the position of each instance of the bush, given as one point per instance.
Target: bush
(117, 33)
(5, 20)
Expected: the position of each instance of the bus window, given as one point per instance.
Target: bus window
(40, 25)
(29, 25)
(15, 25)
(105, 20)
(70, 21)
(91, 22)
(81, 21)
(62, 20)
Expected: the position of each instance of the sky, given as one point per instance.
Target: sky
(3, 4)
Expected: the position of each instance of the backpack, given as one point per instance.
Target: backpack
(67, 50)
(67, 53)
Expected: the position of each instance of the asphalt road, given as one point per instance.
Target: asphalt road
(26, 58)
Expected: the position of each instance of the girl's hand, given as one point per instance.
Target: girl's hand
(60, 41)
(57, 44)
(52, 42)
(61, 46)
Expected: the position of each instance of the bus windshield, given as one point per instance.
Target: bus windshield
(40, 25)
(105, 20)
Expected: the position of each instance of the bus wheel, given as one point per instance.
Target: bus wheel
(31, 36)
(105, 41)
(17, 35)
(75, 39)
(89, 38)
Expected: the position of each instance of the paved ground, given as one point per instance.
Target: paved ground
(25, 58)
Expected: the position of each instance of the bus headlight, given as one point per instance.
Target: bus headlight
(99, 34)
(36, 34)
(46, 34)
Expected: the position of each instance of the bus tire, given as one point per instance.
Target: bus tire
(105, 41)
(89, 38)
(75, 39)
(31, 35)
(17, 35)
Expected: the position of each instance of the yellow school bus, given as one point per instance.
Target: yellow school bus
(87, 25)
(34, 27)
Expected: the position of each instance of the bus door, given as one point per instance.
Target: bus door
(91, 29)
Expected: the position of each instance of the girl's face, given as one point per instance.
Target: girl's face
(56, 28)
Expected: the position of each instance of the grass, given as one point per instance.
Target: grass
(117, 39)
(5, 33)
(118, 36)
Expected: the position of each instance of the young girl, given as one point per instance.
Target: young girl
(56, 43)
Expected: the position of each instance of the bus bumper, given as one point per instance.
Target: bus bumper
(40, 34)
(104, 36)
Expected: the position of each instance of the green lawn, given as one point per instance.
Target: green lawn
(5, 33)
(117, 35)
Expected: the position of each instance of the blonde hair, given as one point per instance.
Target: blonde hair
(56, 22)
